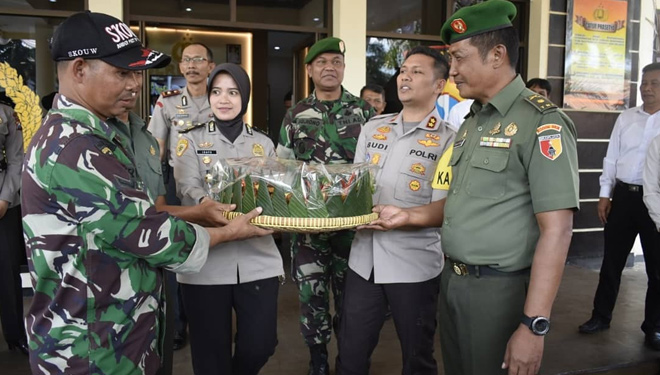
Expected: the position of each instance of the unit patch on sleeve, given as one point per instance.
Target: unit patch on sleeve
(442, 176)
(550, 146)
(181, 147)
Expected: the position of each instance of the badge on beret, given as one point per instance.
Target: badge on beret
(384, 129)
(380, 137)
(414, 185)
(152, 150)
(342, 46)
(181, 147)
(375, 159)
(511, 129)
(418, 168)
(258, 150)
(459, 26)
(427, 143)
(432, 136)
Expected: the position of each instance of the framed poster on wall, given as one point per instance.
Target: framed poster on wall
(597, 68)
(234, 53)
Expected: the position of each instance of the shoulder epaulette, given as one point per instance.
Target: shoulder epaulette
(540, 102)
(384, 115)
(250, 129)
(168, 93)
(192, 127)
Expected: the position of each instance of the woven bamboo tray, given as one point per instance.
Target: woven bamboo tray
(306, 224)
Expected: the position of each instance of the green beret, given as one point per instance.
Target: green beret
(325, 45)
(477, 19)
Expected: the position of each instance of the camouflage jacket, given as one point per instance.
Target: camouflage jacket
(323, 131)
(95, 243)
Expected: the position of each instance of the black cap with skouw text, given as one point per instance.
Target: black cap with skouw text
(100, 36)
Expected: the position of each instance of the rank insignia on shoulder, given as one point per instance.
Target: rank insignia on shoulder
(152, 150)
(432, 122)
(258, 150)
(540, 102)
(181, 147)
(190, 127)
(546, 127)
(380, 137)
(248, 129)
(168, 93)
(427, 143)
(211, 126)
(384, 129)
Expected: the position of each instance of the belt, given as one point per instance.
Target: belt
(462, 269)
(630, 187)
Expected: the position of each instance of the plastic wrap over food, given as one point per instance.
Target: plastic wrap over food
(290, 188)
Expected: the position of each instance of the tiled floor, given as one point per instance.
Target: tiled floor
(567, 352)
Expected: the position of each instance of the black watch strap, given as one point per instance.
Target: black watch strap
(539, 325)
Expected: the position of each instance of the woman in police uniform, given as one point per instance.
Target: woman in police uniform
(242, 275)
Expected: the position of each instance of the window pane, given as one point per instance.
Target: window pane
(406, 16)
(310, 13)
(217, 10)
(70, 5)
(24, 45)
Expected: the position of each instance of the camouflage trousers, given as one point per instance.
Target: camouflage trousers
(318, 262)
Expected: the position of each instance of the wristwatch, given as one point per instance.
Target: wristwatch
(539, 325)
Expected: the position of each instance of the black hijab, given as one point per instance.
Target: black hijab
(232, 128)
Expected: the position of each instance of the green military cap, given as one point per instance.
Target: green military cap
(478, 19)
(325, 45)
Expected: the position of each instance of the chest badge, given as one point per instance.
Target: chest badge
(258, 150)
(418, 168)
(206, 160)
(181, 146)
(427, 143)
(414, 185)
(375, 159)
(205, 144)
(497, 129)
(432, 136)
(152, 150)
(384, 129)
(380, 137)
(511, 129)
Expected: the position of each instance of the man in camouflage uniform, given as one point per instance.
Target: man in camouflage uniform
(95, 240)
(322, 128)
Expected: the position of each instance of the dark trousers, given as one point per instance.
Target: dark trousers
(210, 311)
(628, 218)
(414, 308)
(12, 256)
(478, 315)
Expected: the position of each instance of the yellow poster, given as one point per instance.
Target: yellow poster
(596, 71)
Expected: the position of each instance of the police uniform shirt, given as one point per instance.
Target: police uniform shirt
(633, 131)
(176, 110)
(11, 159)
(407, 170)
(513, 158)
(196, 152)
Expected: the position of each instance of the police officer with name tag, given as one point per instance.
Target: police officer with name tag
(400, 267)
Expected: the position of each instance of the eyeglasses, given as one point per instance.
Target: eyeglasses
(195, 60)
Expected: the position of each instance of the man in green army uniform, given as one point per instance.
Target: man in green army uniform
(507, 221)
(96, 243)
(322, 128)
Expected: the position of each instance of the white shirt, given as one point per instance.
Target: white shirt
(652, 179)
(458, 112)
(624, 161)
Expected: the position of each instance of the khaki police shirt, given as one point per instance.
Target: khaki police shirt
(174, 112)
(407, 169)
(513, 158)
(197, 151)
(11, 156)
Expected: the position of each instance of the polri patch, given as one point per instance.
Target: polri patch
(181, 146)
